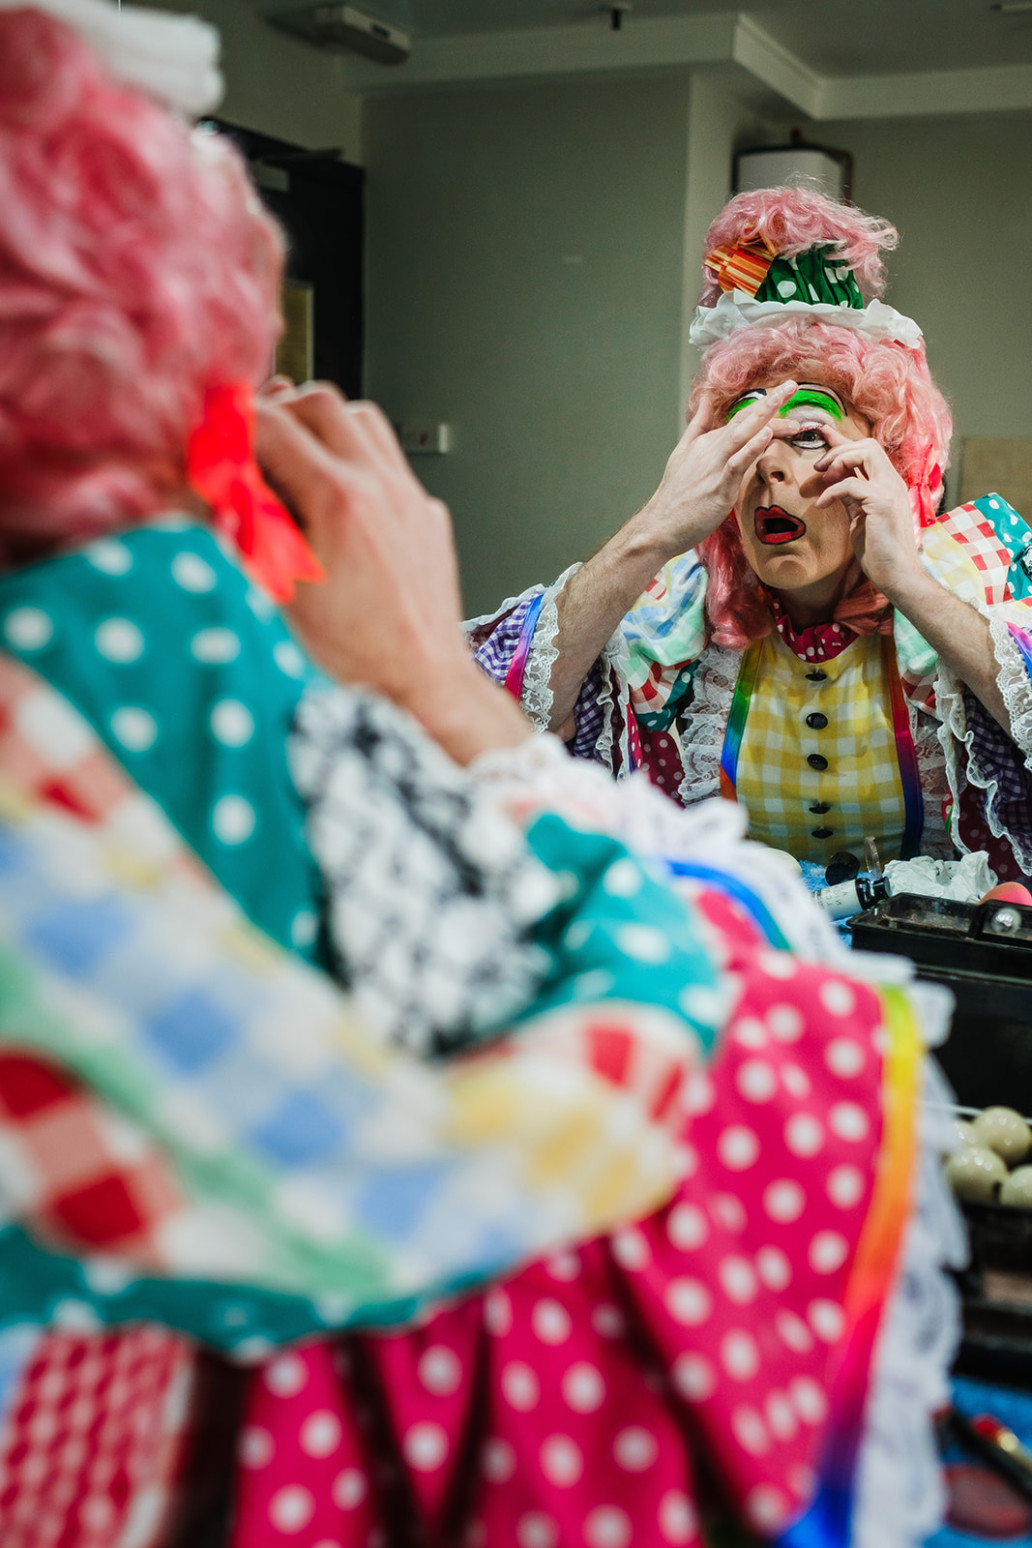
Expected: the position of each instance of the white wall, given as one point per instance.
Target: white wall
(278, 84)
(526, 275)
(957, 188)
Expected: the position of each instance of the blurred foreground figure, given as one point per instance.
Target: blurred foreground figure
(331, 998)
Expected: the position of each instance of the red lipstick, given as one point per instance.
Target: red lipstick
(773, 525)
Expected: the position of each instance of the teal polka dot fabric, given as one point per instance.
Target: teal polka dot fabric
(1016, 537)
(191, 678)
(620, 934)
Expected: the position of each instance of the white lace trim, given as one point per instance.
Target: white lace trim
(704, 723)
(536, 693)
(1013, 684)
(954, 732)
(613, 692)
(900, 1495)
(471, 625)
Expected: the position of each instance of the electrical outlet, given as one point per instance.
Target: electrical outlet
(418, 436)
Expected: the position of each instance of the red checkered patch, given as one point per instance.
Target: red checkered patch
(75, 1171)
(95, 1441)
(968, 526)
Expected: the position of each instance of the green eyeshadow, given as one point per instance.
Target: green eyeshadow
(745, 401)
(812, 397)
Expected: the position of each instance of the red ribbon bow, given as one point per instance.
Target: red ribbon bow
(220, 467)
(925, 486)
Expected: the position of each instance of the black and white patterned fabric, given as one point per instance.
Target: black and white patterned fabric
(430, 891)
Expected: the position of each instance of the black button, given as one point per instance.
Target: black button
(816, 721)
(817, 762)
(820, 807)
(821, 832)
(816, 676)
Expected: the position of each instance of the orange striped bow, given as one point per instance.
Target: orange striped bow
(744, 266)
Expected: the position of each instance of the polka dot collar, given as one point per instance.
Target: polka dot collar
(819, 642)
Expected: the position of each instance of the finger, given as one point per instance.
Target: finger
(326, 413)
(703, 418)
(846, 465)
(872, 451)
(739, 460)
(857, 490)
(746, 422)
(785, 429)
(276, 387)
(356, 430)
(308, 477)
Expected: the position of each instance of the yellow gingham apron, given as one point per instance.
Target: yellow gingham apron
(861, 786)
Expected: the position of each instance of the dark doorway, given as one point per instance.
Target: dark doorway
(318, 200)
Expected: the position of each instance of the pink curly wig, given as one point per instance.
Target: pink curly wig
(137, 270)
(886, 383)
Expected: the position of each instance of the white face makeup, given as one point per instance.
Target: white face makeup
(791, 545)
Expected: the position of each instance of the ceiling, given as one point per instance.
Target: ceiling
(832, 37)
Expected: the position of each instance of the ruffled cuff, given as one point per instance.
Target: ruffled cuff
(536, 691)
(979, 753)
(1014, 684)
(494, 638)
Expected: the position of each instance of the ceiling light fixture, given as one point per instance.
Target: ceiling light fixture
(1011, 7)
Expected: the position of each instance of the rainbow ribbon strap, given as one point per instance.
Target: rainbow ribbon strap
(518, 664)
(913, 803)
(747, 674)
(828, 1521)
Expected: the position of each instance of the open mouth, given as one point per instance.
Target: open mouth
(773, 525)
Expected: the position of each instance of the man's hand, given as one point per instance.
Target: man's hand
(388, 613)
(877, 503)
(704, 472)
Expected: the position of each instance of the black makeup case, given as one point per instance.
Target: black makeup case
(983, 954)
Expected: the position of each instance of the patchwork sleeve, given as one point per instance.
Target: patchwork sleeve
(983, 552)
(343, 1180)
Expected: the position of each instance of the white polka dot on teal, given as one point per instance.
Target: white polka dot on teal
(594, 985)
(623, 879)
(643, 942)
(577, 935)
(232, 723)
(28, 628)
(119, 640)
(261, 606)
(233, 819)
(110, 557)
(134, 727)
(289, 659)
(193, 573)
(303, 928)
(214, 647)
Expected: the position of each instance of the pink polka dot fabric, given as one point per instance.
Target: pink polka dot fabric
(561, 1408)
